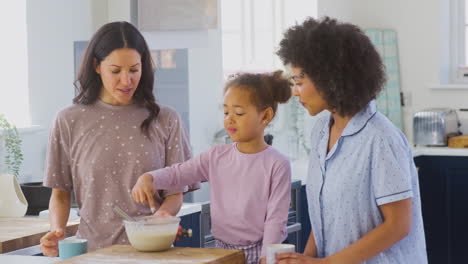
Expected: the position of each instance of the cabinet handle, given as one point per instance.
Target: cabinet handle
(294, 228)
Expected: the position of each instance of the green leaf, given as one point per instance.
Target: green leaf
(12, 142)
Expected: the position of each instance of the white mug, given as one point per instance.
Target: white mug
(274, 249)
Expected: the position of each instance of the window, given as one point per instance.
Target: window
(14, 95)
(251, 32)
(252, 29)
(465, 32)
(459, 41)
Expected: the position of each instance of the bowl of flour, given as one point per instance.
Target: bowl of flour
(152, 233)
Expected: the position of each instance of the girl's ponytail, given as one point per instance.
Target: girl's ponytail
(266, 89)
(280, 87)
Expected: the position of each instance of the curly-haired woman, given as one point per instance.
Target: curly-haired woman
(362, 189)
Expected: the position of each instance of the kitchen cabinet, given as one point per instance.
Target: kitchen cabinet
(443, 182)
(294, 227)
(303, 212)
(191, 221)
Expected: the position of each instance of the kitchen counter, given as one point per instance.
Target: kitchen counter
(439, 151)
(126, 254)
(189, 208)
(16, 259)
(299, 167)
(186, 209)
(21, 232)
(32, 249)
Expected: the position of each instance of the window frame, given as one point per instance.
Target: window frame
(250, 58)
(248, 37)
(459, 65)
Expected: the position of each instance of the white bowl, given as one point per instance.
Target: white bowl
(152, 233)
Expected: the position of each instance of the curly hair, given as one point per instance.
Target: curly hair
(112, 36)
(339, 59)
(266, 89)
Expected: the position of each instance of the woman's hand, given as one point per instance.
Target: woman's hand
(143, 191)
(295, 258)
(49, 242)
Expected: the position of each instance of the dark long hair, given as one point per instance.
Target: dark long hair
(112, 36)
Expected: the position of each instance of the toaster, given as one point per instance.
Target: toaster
(433, 127)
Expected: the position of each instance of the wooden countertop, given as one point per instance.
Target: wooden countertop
(126, 254)
(21, 232)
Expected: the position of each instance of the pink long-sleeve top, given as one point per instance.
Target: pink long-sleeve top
(250, 193)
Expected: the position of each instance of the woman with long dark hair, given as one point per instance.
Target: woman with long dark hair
(114, 132)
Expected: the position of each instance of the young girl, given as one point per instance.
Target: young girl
(249, 180)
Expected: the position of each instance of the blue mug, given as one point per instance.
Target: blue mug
(72, 247)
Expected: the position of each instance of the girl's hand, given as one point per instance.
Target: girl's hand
(143, 191)
(49, 242)
(295, 258)
(263, 260)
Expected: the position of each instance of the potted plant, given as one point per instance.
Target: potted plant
(37, 196)
(12, 142)
(12, 200)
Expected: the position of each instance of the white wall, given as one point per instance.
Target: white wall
(422, 31)
(205, 79)
(52, 27)
(205, 88)
(205, 82)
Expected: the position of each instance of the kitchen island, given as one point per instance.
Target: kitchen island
(20, 232)
(18, 259)
(125, 254)
(21, 236)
